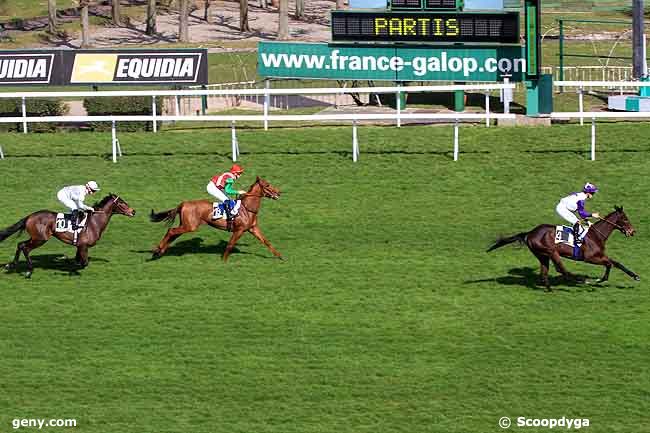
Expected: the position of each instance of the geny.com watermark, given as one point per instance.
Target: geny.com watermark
(564, 422)
(39, 423)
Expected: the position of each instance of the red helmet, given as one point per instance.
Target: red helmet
(236, 169)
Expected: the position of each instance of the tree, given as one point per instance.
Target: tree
(206, 11)
(340, 4)
(51, 16)
(151, 18)
(300, 8)
(183, 24)
(85, 27)
(283, 25)
(115, 11)
(243, 16)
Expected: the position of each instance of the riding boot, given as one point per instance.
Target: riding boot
(576, 232)
(227, 209)
(75, 219)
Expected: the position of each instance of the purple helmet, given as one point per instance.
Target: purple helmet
(590, 188)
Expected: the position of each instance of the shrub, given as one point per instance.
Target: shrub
(34, 108)
(122, 105)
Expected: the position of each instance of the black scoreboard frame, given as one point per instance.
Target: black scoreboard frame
(413, 5)
(347, 18)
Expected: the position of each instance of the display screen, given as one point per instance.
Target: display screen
(422, 4)
(449, 27)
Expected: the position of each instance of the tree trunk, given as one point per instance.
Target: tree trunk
(275, 4)
(115, 9)
(183, 12)
(300, 8)
(340, 4)
(243, 16)
(51, 16)
(283, 27)
(206, 12)
(85, 31)
(151, 18)
(263, 4)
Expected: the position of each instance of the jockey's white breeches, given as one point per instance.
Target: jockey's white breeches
(565, 213)
(67, 202)
(216, 192)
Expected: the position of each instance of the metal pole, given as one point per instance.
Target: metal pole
(177, 105)
(487, 110)
(456, 140)
(153, 110)
(593, 138)
(561, 40)
(114, 141)
(399, 107)
(507, 96)
(2, 155)
(637, 39)
(235, 146)
(24, 110)
(581, 105)
(355, 142)
(267, 98)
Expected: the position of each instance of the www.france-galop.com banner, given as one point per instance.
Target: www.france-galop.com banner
(391, 63)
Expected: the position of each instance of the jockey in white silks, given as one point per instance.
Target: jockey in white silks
(575, 202)
(73, 198)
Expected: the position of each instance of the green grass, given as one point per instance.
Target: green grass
(387, 315)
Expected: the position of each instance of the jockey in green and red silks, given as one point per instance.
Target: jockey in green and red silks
(575, 202)
(222, 185)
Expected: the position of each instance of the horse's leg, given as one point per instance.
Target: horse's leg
(231, 243)
(14, 264)
(559, 266)
(624, 269)
(543, 270)
(82, 255)
(255, 231)
(28, 246)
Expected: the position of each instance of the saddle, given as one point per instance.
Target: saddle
(218, 212)
(64, 225)
(564, 235)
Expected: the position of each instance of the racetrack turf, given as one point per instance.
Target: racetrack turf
(387, 316)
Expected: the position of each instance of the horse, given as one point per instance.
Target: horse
(195, 213)
(541, 242)
(41, 226)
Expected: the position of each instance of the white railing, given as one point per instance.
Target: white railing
(267, 92)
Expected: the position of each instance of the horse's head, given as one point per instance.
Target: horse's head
(622, 222)
(117, 205)
(268, 190)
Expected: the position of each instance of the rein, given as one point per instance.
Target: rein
(609, 222)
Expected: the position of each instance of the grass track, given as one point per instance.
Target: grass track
(387, 316)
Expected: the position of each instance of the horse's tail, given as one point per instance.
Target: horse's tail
(519, 237)
(19, 226)
(168, 215)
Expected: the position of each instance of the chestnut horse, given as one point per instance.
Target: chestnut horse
(541, 242)
(195, 213)
(41, 227)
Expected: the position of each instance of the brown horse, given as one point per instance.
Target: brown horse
(41, 227)
(541, 242)
(195, 213)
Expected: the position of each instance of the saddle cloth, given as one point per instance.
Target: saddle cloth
(64, 223)
(564, 235)
(219, 213)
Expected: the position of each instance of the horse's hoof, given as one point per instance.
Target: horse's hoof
(28, 274)
(281, 258)
(637, 278)
(9, 267)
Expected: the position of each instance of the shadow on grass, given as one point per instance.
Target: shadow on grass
(57, 262)
(529, 277)
(197, 246)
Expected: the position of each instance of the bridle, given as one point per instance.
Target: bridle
(621, 228)
(252, 195)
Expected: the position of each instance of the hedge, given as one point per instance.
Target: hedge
(122, 105)
(34, 108)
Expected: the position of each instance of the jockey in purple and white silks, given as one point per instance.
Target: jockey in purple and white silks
(575, 202)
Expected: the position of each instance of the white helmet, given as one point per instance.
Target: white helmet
(92, 185)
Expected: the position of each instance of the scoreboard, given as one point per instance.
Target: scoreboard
(425, 27)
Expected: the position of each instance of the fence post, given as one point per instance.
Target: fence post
(153, 109)
(267, 100)
(398, 97)
(561, 51)
(456, 140)
(593, 138)
(581, 105)
(114, 140)
(487, 109)
(235, 144)
(355, 142)
(177, 105)
(24, 110)
(2, 155)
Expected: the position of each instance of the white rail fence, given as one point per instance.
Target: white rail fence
(266, 118)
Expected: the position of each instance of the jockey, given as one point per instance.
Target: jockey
(575, 202)
(73, 198)
(222, 184)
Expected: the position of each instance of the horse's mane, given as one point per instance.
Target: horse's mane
(101, 203)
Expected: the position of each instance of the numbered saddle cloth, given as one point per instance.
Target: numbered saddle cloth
(218, 212)
(64, 223)
(564, 235)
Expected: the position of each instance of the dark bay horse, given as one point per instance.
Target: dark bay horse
(195, 213)
(41, 227)
(541, 242)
